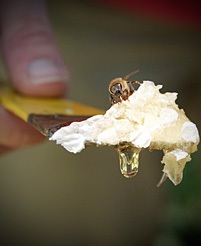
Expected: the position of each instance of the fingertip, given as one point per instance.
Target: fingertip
(52, 89)
(33, 61)
(43, 77)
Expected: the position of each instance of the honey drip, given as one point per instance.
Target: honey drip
(129, 160)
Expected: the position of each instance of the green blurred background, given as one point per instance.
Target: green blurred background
(51, 197)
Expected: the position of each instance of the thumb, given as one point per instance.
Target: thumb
(32, 59)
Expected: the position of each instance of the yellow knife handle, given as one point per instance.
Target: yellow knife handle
(23, 106)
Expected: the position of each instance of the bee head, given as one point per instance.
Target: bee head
(116, 89)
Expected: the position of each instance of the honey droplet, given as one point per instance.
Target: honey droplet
(162, 180)
(129, 161)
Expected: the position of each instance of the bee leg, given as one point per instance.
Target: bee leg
(112, 101)
(124, 95)
(131, 88)
(130, 83)
(122, 98)
(136, 82)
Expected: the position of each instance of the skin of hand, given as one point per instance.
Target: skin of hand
(33, 62)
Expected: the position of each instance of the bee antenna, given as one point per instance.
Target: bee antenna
(128, 75)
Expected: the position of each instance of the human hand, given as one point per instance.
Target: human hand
(33, 63)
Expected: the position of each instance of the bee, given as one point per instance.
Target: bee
(120, 89)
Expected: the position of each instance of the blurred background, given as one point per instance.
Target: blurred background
(51, 197)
